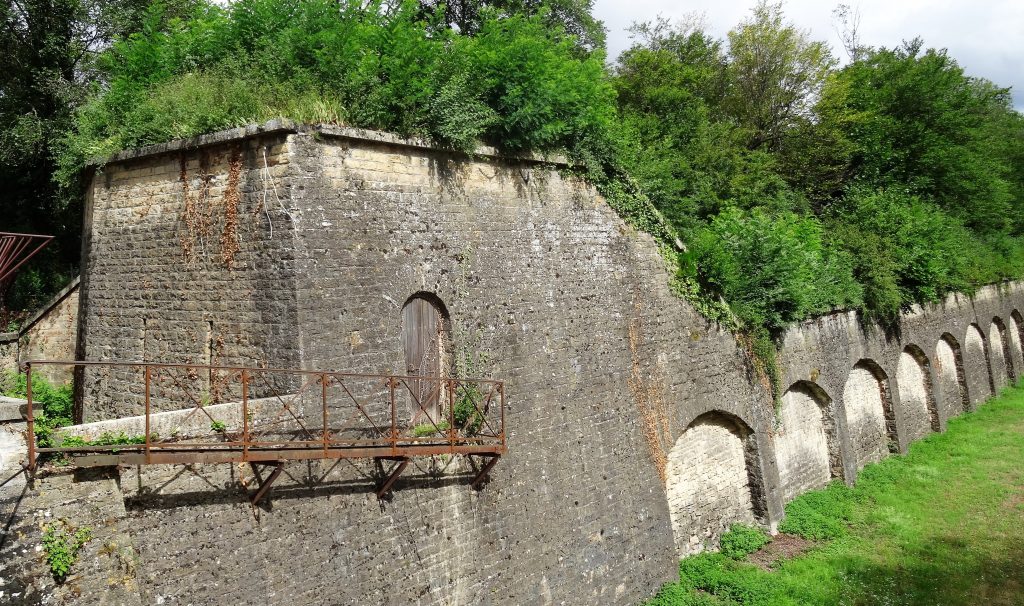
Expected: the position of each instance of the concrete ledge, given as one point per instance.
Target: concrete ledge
(185, 423)
(329, 130)
(12, 409)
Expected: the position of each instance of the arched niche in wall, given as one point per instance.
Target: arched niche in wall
(917, 396)
(869, 416)
(1014, 325)
(805, 440)
(999, 354)
(976, 366)
(713, 479)
(949, 371)
(425, 343)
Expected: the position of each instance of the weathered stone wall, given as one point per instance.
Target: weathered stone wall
(801, 446)
(867, 400)
(916, 394)
(825, 351)
(547, 289)
(709, 488)
(52, 334)
(8, 351)
(189, 258)
(298, 247)
(979, 377)
(997, 349)
(950, 374)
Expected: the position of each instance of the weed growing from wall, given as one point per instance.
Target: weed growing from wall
(648, 395)
(229, 246)
(61, 544)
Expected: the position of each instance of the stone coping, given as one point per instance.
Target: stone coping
(12, 409)
(284, 126)
(184, 423)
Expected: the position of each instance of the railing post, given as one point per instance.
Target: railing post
(394, 418)
(451, 415)
(323, 391)
(501, 393)
(245, 414)
(148, 452)
(30, 419)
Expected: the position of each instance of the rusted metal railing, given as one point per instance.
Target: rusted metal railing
(194, 413)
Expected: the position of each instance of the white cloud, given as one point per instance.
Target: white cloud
(986, 37)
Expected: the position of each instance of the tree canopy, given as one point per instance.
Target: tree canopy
(795, 186)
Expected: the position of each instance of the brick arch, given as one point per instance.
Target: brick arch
(806, 441)
(713, 479)
(976, 364)
(917, 393)
(870, 420)
(949, 367)
(1014, 328)
(999, 354)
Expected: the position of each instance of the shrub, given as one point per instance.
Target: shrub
(730, 580)
(52, 405)
(821, 514)
(742, 540)
(774, 269)
(518, 82)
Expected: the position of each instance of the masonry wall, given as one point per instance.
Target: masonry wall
(710, 489)
(825, 351)
(298, 247)
(547, 289)
(8, 351)
(185, 264)
(52, 334)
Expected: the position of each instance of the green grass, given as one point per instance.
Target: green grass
(943, 525)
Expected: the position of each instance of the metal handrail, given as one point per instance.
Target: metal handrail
(395, 439)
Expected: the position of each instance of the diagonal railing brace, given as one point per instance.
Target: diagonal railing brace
(384, 488)
(265, 484)
(478, 481)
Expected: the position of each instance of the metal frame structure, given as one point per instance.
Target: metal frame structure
(13, 253)
(269, 416)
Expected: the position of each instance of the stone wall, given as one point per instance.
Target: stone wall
(801, 444)
(827, 350)
(52, 334)
(546, 288)
(637, 431)
(867, 400)
(710, 488)
(8, 351)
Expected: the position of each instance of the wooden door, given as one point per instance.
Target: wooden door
(422, 327)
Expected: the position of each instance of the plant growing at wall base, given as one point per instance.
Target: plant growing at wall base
(429, 429)
(52, 405)
(61, 544)
(468, 416)
(742, 540)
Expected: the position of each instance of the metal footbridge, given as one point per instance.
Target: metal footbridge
(266, 417)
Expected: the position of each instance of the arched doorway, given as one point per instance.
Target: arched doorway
(424, 342)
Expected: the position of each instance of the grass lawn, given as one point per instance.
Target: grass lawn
(941, 525)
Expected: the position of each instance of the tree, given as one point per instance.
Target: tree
(575, 17)
(47, 49)
(776, 72)
(920, 123)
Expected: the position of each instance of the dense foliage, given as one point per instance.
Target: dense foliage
(53, 405)
(47, 59)
(777, 182)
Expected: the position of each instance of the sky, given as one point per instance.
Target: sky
(986, 37)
